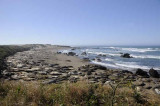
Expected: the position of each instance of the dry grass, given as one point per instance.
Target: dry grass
(67, 94)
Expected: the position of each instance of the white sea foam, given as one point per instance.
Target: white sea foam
(111, 54)
(139, 49)
(110, 47)
(146, 56)
(107, 59)
(133, 66)
(97, 53)
(125, 65)
(105, 64)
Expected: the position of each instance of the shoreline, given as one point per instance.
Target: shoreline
(46, 65)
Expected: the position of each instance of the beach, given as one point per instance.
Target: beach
(49, 65)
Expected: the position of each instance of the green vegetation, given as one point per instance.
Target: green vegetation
(7, 50)
(69, 94)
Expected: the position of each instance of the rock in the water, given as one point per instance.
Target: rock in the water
(98, 60)
(153, 73)
(71, 54)
(126, 55)
(84, 53)
(142, 73)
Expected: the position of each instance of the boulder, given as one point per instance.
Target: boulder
(84, 53)
(126, 55)
(71, 54)
(153, 73)
(126, 71)
(142, 73)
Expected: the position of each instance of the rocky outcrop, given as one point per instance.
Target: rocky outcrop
(126, 55)
(153, 73)
(142, 73)
(84, 53)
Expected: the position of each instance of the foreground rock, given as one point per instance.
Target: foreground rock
(153, 73)
(142, 73)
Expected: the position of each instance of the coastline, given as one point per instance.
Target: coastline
(47, 65)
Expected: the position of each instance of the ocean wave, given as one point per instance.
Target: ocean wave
(140, 49)
(107, 59)
(125, 65)
(105, 64)
(98, 53)
(146, 56)
(110, 47)
(133, 66)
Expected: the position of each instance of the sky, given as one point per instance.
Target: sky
(80, 22)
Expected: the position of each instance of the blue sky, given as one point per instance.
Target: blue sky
(80, 22)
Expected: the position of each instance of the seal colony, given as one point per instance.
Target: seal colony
(44, 63)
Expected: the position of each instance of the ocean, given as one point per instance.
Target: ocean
(144, 57)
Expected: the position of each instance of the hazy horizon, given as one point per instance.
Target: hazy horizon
(80, 22)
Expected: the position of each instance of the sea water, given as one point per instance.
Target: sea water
(143, 57)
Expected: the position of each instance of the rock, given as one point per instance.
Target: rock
(73, 73)
(141, 84)
(73, 80)
(51, 65)
(59, 52)
(84, 53)
(15, 77)
(126, 55)
(71, 54)
(157, 91)
(89, 73)
(153, 73)
(102, 55)
(101, 67)
(55, 73)
(126, 71)
(42, 72)
(7, 74)
(98, 59)
(107, 82)
(31, 75)
(142, 73)
(50, 81)
(148, 87)
(86, 59)
(138, 89)
(20, 65)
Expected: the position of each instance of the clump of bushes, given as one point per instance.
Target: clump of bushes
(66, 94)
